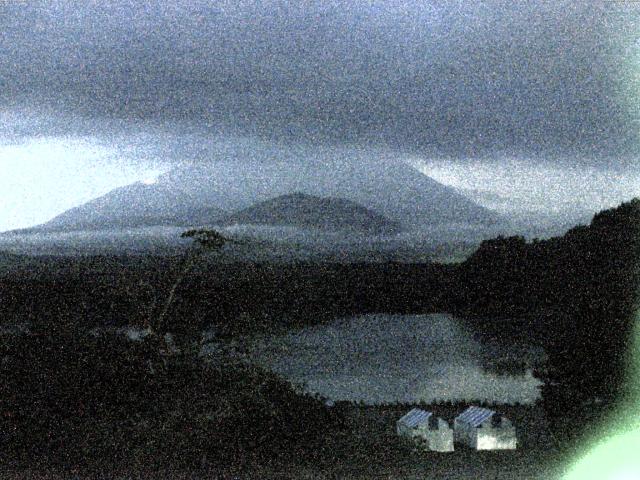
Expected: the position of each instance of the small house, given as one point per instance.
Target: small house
(425, 431)
(484, 429)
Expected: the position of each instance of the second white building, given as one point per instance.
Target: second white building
(484, 429)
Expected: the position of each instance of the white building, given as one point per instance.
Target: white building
(484, 429)
(425, 431)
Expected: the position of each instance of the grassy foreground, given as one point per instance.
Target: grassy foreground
(359, 443)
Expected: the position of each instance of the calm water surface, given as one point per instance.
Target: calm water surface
(388, 358)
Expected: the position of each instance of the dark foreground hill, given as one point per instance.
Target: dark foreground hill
(69, 398)
(580, 294)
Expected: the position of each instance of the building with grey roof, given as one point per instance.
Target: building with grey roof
(425, 431)
(484, 429)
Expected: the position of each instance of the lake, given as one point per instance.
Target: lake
(394, 358)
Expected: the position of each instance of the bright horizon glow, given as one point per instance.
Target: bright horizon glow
(45, 176)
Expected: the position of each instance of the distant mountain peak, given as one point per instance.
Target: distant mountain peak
(310, 211)
(389, 187)
(298, 195)
(202, 194)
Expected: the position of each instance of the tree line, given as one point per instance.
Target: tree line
(580, 292)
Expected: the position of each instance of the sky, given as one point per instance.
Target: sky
(525, 105)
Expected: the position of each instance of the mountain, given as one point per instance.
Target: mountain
(391, 188)
(301, 210)
(133, 206)
(201, 195)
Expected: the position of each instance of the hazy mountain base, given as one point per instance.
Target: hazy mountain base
(131, 206)
(387, 186)
(366, 194)
(280, 244)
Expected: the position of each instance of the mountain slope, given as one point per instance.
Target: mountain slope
(298, 209)
(391, 188)
(135, 205)
(183, 196)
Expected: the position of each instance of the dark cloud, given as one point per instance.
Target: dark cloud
(449, 79)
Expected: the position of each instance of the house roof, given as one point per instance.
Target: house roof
(415, 417)
(475, 415)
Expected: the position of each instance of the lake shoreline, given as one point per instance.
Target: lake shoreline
(380, 358)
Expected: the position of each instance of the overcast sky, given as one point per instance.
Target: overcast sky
(98, 94)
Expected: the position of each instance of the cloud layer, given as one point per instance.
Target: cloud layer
(550, 80)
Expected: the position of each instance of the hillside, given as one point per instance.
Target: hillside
(579, 295)
(133, 206)
(309, 211)
(386, 193)
(391, 188)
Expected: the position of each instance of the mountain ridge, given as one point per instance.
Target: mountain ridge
(304, 210)
(131, 206)
(205, 194)
(391, 188)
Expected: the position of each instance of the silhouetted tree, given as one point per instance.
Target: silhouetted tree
(206, 241)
